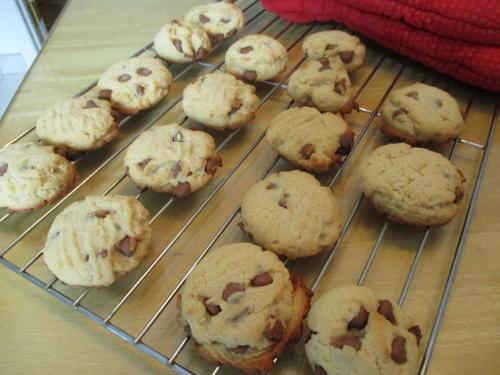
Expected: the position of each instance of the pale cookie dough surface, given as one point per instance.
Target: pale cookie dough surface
(412, 185)
(220, 20)
(323, 84)
(182, 42)
(353, 331)
(333, 43)
(256, 58)
(77, 124)
(95, 241)
(220, 101)
(291, 214)
(135, 84)
(172, 159)
(310, 139)
(421, 113)
(32, 176)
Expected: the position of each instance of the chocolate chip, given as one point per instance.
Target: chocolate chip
(235, 108)
(144, 72)
(219, 37)
(201, 53)
(140, 90)
(330, 46)
(318, 370)
(225, 20)
(90, 104)
(187, 329)
(271, 186)
(283, 202)
(203, 18)
(176, 169)
(145, 162)
(340, 87)
(346, 141)
(250, 75)
(360, 320)
(211, 308)
(182, 189)
(124, 78)
(105, 94)
(398, 350)
(352, 341)
(127, 246)
(325, 64)
(417, 332)
(306, 151)
(178, 137)
(459, 193)
(262, 279)
(346, 56)
(275, 333)
(3, 168)
(398, 112)
(212, 164)
(385, 309)
(231, 289)
(103, 253)
(232, 32)
(87, 257)
(101, 214)
(245, 50)
(413, 95)
(178, 45)
(240, 349)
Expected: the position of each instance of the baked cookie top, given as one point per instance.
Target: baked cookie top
(412, 185)
(323, 84)
(290, 213)
(421, 113)
(135, 84)
(256, 58)
(172, 159)
(220, 20)
(95, 241)
(77, 124)
(220, 101)
(181, 42)
(32, 176)
(333, 43)
(355, 331)
(235, 297)
(310, 139)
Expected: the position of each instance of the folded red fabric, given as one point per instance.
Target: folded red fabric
(457, 37)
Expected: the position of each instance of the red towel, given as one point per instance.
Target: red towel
(457, 37)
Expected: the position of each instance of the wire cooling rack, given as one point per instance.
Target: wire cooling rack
(168, 344)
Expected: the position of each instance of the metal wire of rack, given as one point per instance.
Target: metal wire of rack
(274, 87)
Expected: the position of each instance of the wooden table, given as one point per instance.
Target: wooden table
(41, 336)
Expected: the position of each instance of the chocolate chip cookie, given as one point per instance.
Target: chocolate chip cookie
(412, 186)
(352, 330)
(291, 214)
(421, 113)
(172, 159)
(310, 139)
(256, 58)
(243, 307)
(95, 241)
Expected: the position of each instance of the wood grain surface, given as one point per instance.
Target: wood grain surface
(40, 335)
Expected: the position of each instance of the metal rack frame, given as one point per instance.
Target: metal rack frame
(171, 360)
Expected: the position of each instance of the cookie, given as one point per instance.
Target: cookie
(352, 330)
(323, 84)
(172, 159)
(77, 124)
(309, 139)
(421, 113)
(135, 84)
(32, 176)
(256, 58)
(291, 214)
(95, 241)
(220, 101)
(219, 20)
(335, 43)
(181, 42)
(243, 307)
(412, 186)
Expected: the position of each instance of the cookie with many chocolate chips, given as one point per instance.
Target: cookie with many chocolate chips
(95, 241)
(219, 20)
(355, 331)
(135, 84)
(291, 214)
(243, 307)
(310, 139)
(172, 159)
